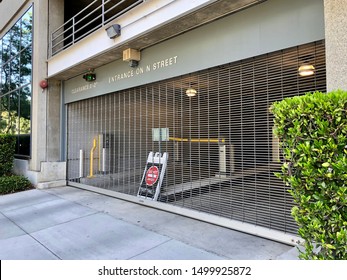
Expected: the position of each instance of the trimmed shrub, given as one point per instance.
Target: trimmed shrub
(14, 183)
(313, 133)
(7, 144)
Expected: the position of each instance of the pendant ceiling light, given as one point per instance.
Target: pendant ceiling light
(306, 70)
(191, 92)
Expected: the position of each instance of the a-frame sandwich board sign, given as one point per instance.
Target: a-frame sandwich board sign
(153, 176)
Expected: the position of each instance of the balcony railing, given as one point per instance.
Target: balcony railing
(94, 16)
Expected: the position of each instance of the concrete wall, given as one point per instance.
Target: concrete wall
(8, 10)
(51, 173)
(336, 43)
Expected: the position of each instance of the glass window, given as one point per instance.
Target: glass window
(26, 29)
(6, 47)
(13, 113)
(0, 55)
(4, 107)
(15, 39)
(15, 82)
(25, 110)
(23, 143)
(5, 74)
(25, 66)
(15, 73)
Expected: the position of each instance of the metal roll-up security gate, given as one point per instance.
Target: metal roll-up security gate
(222, 154)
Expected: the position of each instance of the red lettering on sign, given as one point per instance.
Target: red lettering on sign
(152, 175)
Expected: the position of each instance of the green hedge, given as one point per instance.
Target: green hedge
(14, 183)
(7, 149)
(10, 183)
(313, 133)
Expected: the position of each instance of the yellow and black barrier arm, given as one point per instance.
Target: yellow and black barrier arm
(197, 140)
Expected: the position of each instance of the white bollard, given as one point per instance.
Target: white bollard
(81, 164)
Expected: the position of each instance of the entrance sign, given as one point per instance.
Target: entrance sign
(153, 176)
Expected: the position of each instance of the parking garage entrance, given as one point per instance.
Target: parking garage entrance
(215, 127)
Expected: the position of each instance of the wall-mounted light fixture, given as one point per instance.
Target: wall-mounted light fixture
(90, 76)
(306, 70)
(191, 92)
(132, 56)
(113, 31)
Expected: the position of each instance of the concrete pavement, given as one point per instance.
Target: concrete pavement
(68, 223)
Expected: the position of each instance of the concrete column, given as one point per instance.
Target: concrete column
(336, 43)
(53, 121)
(39, 96)
(45, 166)
(56, 19)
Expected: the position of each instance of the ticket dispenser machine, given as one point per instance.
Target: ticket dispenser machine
(105, 152)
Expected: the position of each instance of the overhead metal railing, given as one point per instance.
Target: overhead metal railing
(94, 16)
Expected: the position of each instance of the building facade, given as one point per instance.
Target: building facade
(166, 103)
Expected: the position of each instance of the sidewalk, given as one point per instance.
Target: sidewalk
(68, 223)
